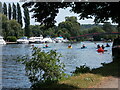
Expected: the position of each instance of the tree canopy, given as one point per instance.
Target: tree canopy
(69, 28)
(45, 12)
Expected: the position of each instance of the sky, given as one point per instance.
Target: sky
(59, 18)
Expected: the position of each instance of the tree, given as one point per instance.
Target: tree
(107, 27)
(0, 18)
(19, 18)
(43, 67)
(101, 11)
(69, 27)
(27, 22)
(36, 30)
(4, 27)
(0, 8)
(14, 28)
(9, 11)
(10, 27)
(14, 11)
(96, 29)
(46, 12)
(5, 9)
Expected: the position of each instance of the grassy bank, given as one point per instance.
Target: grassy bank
(83, 80)
(89, 79)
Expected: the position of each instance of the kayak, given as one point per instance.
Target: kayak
(100, 50)
(46, 47)
(69, 47)
(83, 47)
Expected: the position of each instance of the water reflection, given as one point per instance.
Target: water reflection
(14, 74)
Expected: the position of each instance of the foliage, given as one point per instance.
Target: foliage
(69, 28)
(45, 12)
(14, 12)
(43, 67)
(10, 27)
(19, 18)
(27, 22)
(9, 11)
(96, 29)
(5, 9)
(36, 30)
(14, 28)
(11, 38)
(107, 27)
(82, 69)
(0, 7)
(101, 11)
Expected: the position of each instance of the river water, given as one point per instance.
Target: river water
(13, 73)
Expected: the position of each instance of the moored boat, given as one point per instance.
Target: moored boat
(2, 40)
(23, 40)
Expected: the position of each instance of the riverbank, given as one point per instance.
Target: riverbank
(11, 42)
(103, 77)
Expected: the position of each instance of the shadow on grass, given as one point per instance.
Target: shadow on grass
(57, 86)
(110, 69)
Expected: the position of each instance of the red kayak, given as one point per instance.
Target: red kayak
(100, 50)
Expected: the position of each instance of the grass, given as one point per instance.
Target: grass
(88, 80)
(77, 82)
(83, 80)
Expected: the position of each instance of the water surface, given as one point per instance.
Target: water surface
(13, 74)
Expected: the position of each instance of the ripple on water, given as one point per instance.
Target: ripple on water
(14, 73)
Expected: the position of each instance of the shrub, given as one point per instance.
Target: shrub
(11, 39)
(82, 69)
(43, 67)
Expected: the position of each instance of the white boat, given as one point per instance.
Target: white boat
(36, 39)
(65, 40)
(32, 40)
(2, 40)
(47, 40)
(59, 39)
(39, 39)
(23, 40)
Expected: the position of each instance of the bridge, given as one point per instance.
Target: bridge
(95, 34)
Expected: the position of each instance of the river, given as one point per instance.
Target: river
(13, 73)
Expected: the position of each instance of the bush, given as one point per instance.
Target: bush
(82, 69)
(11, 39)
(43, 67)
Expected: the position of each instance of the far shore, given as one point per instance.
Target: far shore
(11, 42)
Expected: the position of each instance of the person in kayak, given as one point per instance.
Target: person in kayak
(69, 46)
(107, 45)
(98, 46)
(83, 46)
(46, 45)
(100, 50)
(102, 46)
